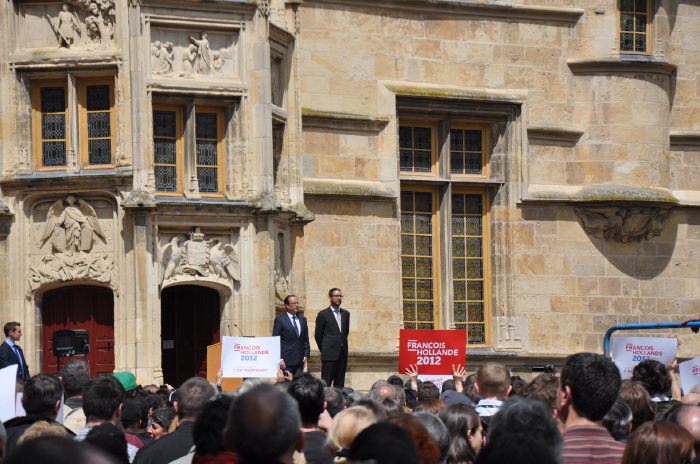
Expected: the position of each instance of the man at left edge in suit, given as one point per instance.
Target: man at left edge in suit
(293, 331)
(11, 353)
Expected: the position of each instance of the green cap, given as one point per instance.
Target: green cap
(127, 379)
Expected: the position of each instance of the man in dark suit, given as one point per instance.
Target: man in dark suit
(11, 353)
(293, 331)
(332, 328)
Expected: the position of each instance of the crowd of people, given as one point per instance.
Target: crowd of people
(587, 414)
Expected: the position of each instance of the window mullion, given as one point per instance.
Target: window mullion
(190, 152)
(72, 163)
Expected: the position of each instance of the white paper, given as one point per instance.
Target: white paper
(19, 407)
(8, 383)
(690, 374)
(250, 357)
(438, 380)
(627, 352)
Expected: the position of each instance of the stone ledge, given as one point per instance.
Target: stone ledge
(624, 63)
(43, 59)
(413, 89)
(685, 139)
(40, 178)
(347, 188)
(196, 87)
(566, 135)
(344, 121)
(598, 194)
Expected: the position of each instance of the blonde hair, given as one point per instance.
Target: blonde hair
(348, 424)
(493, 380)
(42, 429)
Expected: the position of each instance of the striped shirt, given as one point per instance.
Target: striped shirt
(591, 445)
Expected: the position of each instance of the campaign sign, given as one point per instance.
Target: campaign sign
(8, 383)
(690, 374)
(627, 352)
(246, 357)
(434, 352)
(438, 380)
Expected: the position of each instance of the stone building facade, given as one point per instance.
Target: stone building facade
(524, 170)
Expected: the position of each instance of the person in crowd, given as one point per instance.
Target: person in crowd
(447, 385)
(11, 353)
(42, 429)
(58, 450)
(377, 409)
(638, 399)
(110, 439)
(208, 435)
(470, 388)
(588, 388)
(346, 426)
(543, 388)
(102, 402)
(380, 390)
(465, 429)
(659, 443)
(493, 385)
(384, 443)
(427, 449)
(192, 395)
(688, 417)
(437, 430)
(517, 384)
(433, 407)
(128, 381)
(392, 407)
(334, 400)
(660, 382)
(134, 414)
(331, 335)
(427, 392)
(76, 377)
(264, 425)
(530, 419)
(396, 381)
(308, 392)
(159, 422)
(293, 331)
(618, 420)
(41, 401)
(515, 448)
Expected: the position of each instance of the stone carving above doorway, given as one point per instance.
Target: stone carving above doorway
(71, 226)
(195, 258)
(623, 223)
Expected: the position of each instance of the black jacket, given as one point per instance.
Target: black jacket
(8, 357)
(329, 339)
(293, 347)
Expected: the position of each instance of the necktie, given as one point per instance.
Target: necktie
(296, 327)
(20, 363)
(336, 312)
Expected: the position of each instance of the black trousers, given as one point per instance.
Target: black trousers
(333, 372)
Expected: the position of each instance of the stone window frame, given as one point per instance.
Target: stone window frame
(443, 183)
(76, 119)
(186, 139)
(647, 30)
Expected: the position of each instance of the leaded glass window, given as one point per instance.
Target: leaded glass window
(98, 108)
(417, 267)
(466, 151)
(468, 265)
(54, 130)
(634, 18)
(165, 150)
(207, 144)
(415, 149)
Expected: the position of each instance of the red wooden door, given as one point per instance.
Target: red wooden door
(80, 307)
(190, 322)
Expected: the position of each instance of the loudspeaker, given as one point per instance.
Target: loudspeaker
(71, 342)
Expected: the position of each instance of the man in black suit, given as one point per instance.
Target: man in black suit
(332, 328)
(293, 331)
(11, 353)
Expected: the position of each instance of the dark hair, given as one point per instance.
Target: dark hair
(543, 388)
(527, 418)
(209, 426)
(102, 398)
(460, 419)
(263, 424)
(75, 376)
(192, 396)
(308, 391)
(286, 298)
(10, 327)
(57, 450)
(517, 384)
(594, 381)
(512, 447)
(654, 376)
(134, 412)
(334, 400)
(110, 439)
(392, 407)
(447, 385)
(638, 399)
(437, 431)
(427, 391)
(428, 451)
(658, 443)
(384, 443)
(41, 393)
(618, 420)
(395, 380)
(432, 406)
(330, 292)
(163, 416)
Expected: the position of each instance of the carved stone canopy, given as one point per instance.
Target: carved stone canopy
(623, 223)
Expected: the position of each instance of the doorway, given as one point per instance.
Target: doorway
(190, 320)
(79, 307)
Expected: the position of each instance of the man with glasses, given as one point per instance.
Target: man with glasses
(332, 328)
(293, 331)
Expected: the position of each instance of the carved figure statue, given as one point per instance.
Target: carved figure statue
(188, 60)
(99, 28)
(71, 228)
(65, 26)
(164, 56)
(622, 224)
(217, 62)
(202, 64)
(172, 255)
(224, 260)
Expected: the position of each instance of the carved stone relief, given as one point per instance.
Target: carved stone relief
(622, 223)
(71, 230)
(182, 54)
(95, 30)
(199, 259)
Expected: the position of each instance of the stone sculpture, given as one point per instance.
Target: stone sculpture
(622, 223)
(164, 55)
(97, 29)
(202, 63)
(66, 26)
(70, 227)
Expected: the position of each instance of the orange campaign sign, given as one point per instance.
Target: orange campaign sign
(432, 351)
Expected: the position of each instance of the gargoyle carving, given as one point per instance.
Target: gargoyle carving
(622, 223)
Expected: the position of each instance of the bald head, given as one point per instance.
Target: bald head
(689, 419)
